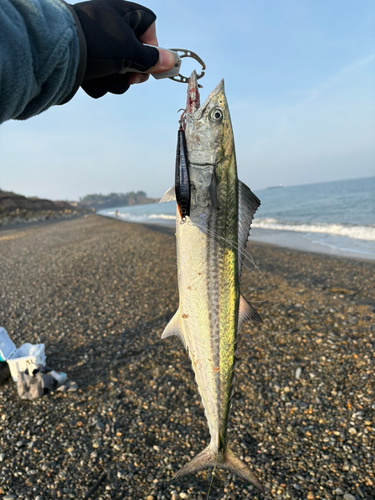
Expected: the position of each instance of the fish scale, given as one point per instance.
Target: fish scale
(211, 237)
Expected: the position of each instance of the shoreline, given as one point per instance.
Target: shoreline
(99, 294)
(284, 239)
(297, 241)
(278, 238)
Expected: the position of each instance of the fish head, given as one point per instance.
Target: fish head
(209, 134)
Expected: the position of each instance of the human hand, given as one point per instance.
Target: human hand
(114, 32)
(165, 62)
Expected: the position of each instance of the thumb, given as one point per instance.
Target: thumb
(166, 62)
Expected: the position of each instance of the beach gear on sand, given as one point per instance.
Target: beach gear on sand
(22, 357)
(35, 385)
(32, 384)
(4, 372)
(27, 366)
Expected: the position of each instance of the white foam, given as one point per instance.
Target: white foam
(162, 216)
(139, 218)
(366, 233)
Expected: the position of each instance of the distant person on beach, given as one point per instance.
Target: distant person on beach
(48, 49)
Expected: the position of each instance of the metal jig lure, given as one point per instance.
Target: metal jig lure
(182, 181)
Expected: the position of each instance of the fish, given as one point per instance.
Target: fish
(213, 220)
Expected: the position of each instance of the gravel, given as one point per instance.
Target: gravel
(28, 217)
(99, 292)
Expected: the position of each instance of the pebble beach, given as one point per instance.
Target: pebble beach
(99, 292)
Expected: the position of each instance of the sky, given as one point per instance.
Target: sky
(300, 82)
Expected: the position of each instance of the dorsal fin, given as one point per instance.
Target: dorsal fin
(174, 328)
(248, 204)
(247, 312)
(169, 195)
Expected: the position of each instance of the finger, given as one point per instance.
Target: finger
(166, 62)
(149, 36)
(134, 78)
(139, 56)
(116, 84)
(137, 17)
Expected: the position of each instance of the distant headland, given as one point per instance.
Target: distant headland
(101, 201)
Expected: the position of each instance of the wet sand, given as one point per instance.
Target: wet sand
(99, 292)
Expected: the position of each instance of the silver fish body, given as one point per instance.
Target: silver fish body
(210, 244)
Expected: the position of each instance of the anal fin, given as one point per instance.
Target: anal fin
(174, 328)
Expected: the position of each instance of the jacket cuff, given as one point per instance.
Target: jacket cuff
(81, 70)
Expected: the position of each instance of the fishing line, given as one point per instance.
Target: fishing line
(212, 477)
(245, 254)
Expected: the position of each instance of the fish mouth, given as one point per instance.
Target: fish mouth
(193, 97)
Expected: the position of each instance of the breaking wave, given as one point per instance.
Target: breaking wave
(366, 233)
(162, 216)
(140, 218)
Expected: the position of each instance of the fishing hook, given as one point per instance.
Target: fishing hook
(182, 120)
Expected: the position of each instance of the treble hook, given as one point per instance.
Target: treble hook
(182, 120)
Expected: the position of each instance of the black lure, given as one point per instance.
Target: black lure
(182, 182)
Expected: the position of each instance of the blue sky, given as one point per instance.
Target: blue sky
(299, 78)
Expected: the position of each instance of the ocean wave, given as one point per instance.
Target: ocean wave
(366, 233)
(140, 218)
(162, 216)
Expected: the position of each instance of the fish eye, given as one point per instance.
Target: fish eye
(217, 114)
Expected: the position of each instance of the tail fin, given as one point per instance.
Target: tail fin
(227, 460)
(236, 465)
(203, 460)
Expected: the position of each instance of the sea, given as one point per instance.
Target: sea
(336, 218)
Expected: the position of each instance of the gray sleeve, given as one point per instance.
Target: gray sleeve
(39, 56)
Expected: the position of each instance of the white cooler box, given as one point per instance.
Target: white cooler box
(28, 355)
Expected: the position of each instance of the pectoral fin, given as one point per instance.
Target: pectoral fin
(169, 195)
(174, 328)
(247, 312)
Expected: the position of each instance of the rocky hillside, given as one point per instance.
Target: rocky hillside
(17, 208)
(10, 202)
